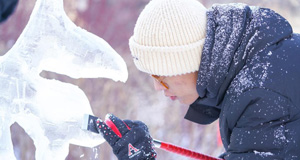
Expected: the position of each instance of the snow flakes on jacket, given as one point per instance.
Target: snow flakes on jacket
(249, 77)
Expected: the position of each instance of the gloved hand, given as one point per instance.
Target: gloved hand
(130, 140)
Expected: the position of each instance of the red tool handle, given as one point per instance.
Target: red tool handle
(182, 151)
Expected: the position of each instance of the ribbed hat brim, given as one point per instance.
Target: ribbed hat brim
(168, 60)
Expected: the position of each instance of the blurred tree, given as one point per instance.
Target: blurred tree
(113, 20)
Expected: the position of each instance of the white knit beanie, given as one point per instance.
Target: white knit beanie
(168, 37)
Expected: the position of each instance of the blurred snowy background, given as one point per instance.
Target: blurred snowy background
(114, 20)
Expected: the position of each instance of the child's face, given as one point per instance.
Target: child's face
(182, 87)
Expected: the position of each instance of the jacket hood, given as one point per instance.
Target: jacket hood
(235, 33)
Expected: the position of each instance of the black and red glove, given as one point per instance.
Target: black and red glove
(130, 140)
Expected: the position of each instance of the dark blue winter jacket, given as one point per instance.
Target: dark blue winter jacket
(7, 7)
(249, 77)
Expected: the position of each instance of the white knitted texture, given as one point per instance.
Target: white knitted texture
(168, 37)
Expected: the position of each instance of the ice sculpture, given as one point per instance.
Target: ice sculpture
(51, 111)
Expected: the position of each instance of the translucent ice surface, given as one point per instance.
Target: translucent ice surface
(51, 111)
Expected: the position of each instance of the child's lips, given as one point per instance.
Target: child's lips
(173, 98)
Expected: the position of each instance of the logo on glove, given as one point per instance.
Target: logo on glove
(132, 151)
